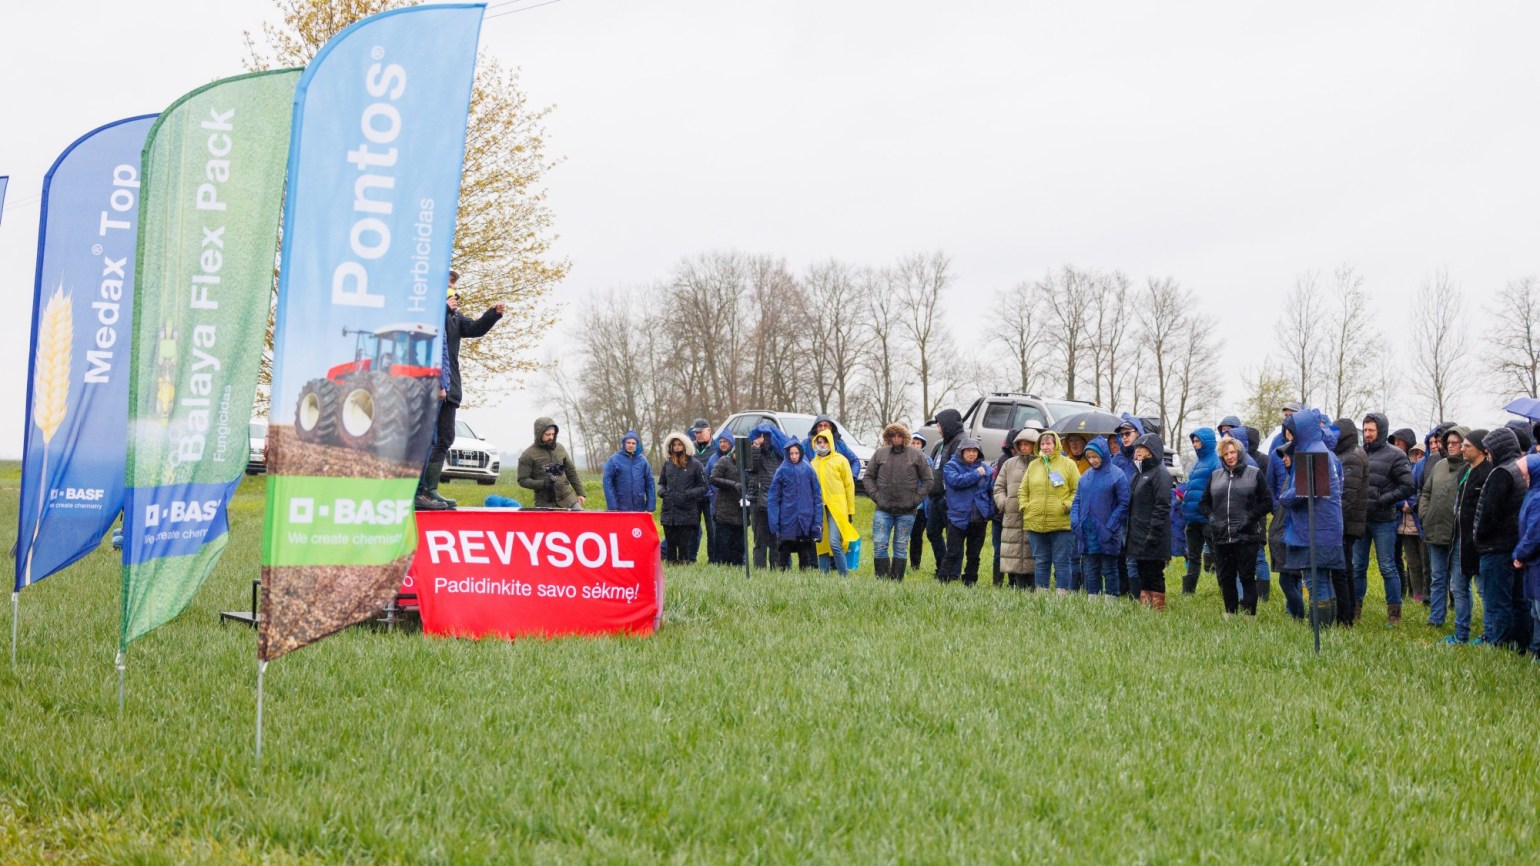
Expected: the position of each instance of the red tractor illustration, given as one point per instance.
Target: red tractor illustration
(379, 401)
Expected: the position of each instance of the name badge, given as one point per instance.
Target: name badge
(1056, 479)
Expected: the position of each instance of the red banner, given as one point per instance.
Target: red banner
(511, 573)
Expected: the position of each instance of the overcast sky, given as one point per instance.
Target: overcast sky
(1231, 146)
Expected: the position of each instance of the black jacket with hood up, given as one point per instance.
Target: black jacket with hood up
(1390, 473)
(1149, 505)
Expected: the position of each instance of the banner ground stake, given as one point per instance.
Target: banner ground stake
(122, 665)
(15, 612)
(261, 669)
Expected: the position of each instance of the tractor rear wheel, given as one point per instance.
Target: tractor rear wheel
(315, 415)
(372, 416)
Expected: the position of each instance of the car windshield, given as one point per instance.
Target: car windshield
(464, 429)
(797, 425)
(258, 430)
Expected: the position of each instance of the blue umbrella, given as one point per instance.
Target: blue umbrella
(1526, 407)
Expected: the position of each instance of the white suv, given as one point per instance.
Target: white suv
(471, 457)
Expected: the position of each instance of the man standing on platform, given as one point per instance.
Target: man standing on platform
(449, 394)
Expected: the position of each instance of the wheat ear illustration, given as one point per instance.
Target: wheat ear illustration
(50, 390)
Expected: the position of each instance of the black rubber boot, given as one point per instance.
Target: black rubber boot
(1326, 612)
(1264, 590)
(1189, 584)
(896, 569)
(880, 567)
(431, 477)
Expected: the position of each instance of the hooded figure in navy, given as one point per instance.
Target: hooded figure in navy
(628, 484)
(1124, 459)
(1100, 511)
(1197, 479)
(1310, 438)
(1527, 552)
(969, 494)
(795, 500)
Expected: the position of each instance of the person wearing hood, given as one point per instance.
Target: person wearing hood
(681, 488)
(1259, 460)
(795, 505)
(1526, 554)
(1015, 551)
(1047, 492)
(1390, 483)
(628, 484)
(997, 523)
(1236, 505)
(1468, 559)
(456, 327)
(897, 479)
(545, 468)
(1205, 462)
(825, 424)
(1496, 533)
(1098, 517)
(969, 505)
(838, 487)
(1148, 540)
(1413, 559)
(1288, 581)
(949, 422)
(917, 534)
(727, 507)
(1316, 555)
(1227, 424)
(705, 450)
(767, 441)
(1437, 513)
(1355, 510)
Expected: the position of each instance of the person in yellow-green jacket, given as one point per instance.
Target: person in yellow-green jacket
(1047, 491)
(839, 503)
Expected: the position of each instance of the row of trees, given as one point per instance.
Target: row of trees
(732, 331)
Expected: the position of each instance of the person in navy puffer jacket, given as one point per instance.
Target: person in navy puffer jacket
(1323, 549)
(628, 484)
(1526, 556)
(1098, 518)
(1203, 440)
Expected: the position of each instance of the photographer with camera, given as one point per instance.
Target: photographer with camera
(545, 468)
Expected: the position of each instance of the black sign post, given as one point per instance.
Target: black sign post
(745, 469)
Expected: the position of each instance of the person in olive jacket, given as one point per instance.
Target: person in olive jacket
(898, 478)
(1355, 505)
(1440, 529)
(681, 488)
(1046, 495)
(1149, 521)
(545, 468)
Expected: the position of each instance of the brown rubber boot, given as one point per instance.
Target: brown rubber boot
(1395, 614)
(1159, 599)
(1144, 598)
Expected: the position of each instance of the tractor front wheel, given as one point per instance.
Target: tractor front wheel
(372, 416)
(315, 415)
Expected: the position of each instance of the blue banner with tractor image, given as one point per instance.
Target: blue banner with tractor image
(373, 191)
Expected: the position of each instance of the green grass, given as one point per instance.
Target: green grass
(786, 718)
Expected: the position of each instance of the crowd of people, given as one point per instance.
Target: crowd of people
(1104, 515)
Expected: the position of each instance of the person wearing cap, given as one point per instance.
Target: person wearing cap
(1390, 483)
(1438, 517)
(1126, 435)
(897, 479)
(1015, 551)
(700, 439)
(969, 506)
(1046, 495)
(917, 533)
(456, 327)
(1472, 480)
(1313, 554)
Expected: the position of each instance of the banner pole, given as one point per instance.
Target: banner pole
(261, 669)
(1315, 617)
(15, 612)
(122, 666)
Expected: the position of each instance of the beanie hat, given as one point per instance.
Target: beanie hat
(1478, 438)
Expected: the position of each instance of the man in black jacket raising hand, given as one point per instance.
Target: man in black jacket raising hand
(455, 327)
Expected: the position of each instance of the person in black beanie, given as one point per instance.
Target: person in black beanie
(1469, 559)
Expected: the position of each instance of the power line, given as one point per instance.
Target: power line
(520, 9)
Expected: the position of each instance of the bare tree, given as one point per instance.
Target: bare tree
(838, 334)
(1301, 340)
(1439, 341)
(1513, 340)
(1016, 325)
(1354, 347)
(1107, 325)
(1067, 326)
(1180, 355)
(922, 280)
(885, 363)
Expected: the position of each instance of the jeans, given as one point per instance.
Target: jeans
(1131, 586)
(967, 542)
(1321, 589)
(898, 527)
(1101, 573)
(1293, 597)
(1264, 574)
(1463, 603)
(1382, 534)
(1415, 577)
(1439, 557)
(1195, 542)
(836, 549)
(1052, 551)
(1496, 596)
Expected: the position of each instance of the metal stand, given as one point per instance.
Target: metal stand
(250, 618)
(261, 669)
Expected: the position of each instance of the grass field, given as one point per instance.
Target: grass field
(786, 718)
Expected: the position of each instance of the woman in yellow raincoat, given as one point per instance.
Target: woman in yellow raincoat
(839, 503)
